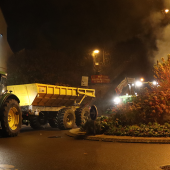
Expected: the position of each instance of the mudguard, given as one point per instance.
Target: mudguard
(5, 96)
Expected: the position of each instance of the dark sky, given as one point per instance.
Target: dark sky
(129, 29)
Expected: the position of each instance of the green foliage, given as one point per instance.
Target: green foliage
(152, 104)
(148, 114)
(162, 73)
(140, 131)
(101, 125)
(109, 126)
(149, 106)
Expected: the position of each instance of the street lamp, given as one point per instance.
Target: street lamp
(96, 51)
(166, 11)
(96, 62)
(142, 79)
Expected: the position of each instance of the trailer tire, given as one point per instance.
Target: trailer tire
(66, 119)
(54, 121)
(38, 122)
(11, 118)
(82, 114)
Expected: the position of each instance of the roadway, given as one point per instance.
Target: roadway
(51, 149)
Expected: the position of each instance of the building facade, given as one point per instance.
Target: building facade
(5, 50)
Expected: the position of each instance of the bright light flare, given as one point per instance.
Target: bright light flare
(166, 11)
(96, 51)
(154, 83)
(142, 79)
(117, 100)
(138, 83)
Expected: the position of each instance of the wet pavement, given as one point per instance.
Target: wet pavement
(50, 149)
(110, 138)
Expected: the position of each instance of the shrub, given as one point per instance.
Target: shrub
(101, 125)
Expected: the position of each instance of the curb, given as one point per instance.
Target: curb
(124, 139)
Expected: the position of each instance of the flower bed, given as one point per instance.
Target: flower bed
(106, 125)
(155, 130)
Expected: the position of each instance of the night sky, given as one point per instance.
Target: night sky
(134, 31)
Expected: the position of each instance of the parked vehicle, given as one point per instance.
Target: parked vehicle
(10, 111)
(60, 106)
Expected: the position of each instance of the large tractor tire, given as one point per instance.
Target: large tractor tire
(82, 114)
(54, 121)
(38, 122)
(11, 118)
(66, 119)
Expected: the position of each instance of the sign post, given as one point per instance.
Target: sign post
(84, 81)
(93, 115)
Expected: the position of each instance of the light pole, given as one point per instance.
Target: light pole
(96, 64)
(95, 52)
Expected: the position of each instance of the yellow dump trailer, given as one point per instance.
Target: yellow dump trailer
(61, 106)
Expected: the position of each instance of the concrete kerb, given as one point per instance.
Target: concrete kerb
(76, 133)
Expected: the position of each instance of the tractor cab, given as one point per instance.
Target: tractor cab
(3, 82)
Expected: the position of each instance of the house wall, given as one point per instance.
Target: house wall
(5, 50)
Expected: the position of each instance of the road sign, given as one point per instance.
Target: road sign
(84, 81)
(100, 79)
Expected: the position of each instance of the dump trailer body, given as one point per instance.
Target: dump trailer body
(60, 106)
(51, 95)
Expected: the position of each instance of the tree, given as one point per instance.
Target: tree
(47, 66)
(162, 73)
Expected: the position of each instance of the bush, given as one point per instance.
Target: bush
(149, 107)
(140, 131)
(101, 125)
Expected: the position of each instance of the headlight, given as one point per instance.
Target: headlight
(117, 100)
(154, 83)
(138, 83)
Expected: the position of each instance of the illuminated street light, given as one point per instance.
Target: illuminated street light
(166, 11)
(142, 79)
(96, 51)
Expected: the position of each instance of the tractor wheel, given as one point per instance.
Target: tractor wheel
(54, 121)
(66, 119)
(82, 115)
(11, 118)
(37, 122)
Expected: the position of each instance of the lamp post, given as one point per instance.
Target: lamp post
(95, 55)
(96, 64)
(95, 52)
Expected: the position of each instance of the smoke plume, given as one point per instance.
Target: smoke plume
(163, 36)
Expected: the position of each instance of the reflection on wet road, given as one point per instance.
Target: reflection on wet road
(51, 149)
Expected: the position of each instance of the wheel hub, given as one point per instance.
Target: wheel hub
(85, 117)
(13, 118)
(70, 119)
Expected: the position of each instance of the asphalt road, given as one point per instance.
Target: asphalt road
(50, 149)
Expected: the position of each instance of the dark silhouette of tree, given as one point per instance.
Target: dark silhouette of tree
(47, 66)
